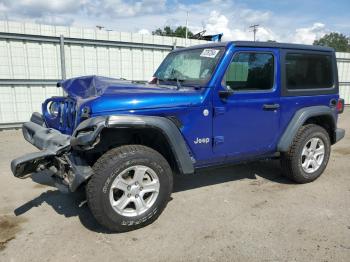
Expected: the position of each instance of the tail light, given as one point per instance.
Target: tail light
(340, 106)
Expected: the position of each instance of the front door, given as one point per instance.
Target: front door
(246, 105)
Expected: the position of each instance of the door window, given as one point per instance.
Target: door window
(250, 71)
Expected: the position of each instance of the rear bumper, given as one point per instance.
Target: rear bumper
(55, 151)
(339, 134)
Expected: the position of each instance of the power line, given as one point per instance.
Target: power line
(255, 30)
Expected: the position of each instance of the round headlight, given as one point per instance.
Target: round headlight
(54, 108)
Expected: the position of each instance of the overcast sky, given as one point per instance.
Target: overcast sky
(299, 21)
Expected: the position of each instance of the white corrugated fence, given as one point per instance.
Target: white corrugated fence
(31, 61)
(35, 56)
(343, 61)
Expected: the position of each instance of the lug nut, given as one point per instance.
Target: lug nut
(136, 183)
(129, 195)
(141, 188)
(137, 196)
(129, 187)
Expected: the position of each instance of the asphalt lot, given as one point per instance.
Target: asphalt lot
(240, 213)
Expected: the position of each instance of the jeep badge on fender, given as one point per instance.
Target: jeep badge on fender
(123, 140)
(201, 140)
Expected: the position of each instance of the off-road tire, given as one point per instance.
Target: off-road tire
(291, 160)
(107, 167)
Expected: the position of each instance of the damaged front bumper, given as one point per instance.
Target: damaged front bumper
(55, 154)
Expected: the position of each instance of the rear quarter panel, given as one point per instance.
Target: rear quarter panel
(291, 104)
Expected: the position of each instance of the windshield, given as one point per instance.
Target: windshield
(190, 67)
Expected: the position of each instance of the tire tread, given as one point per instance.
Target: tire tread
(92, 188)
(289, 158)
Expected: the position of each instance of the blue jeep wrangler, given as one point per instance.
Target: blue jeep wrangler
(206, 105)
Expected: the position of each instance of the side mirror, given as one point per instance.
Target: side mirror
(225, 93)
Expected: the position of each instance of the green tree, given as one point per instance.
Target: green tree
(338, 41)
(180, 31)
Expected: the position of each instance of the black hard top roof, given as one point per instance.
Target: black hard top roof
(264, 44)
(282, 45)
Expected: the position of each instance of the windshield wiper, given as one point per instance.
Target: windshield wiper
(178, 84)
(177, 80)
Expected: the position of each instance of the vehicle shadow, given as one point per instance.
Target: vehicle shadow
(74, 204)
(68, 205)
(267, 169)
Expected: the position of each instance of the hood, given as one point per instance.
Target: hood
(88, 86)
(107, 94)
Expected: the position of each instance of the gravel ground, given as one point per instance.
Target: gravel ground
(241, 213)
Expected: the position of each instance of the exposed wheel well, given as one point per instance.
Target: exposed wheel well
(150, 137)
(325, 121)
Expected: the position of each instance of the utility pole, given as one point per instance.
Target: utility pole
(254, 29)
(186, 29)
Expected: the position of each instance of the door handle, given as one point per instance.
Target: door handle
(271, 106)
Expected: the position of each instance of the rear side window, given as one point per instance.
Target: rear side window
(308, 71)
(250, 71)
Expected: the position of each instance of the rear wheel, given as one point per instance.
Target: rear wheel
(308, 155)
(130, 187)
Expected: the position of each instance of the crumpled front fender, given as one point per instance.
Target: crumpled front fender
(87, 133)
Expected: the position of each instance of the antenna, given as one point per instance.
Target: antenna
(186, 29)
(203, 26)
(255, 30)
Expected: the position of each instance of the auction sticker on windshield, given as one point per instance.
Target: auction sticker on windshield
(211, 53)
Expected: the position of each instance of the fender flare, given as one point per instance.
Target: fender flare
(299, 118)
(86, 133)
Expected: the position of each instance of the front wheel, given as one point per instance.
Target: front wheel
(308, 156)
(130, 187)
